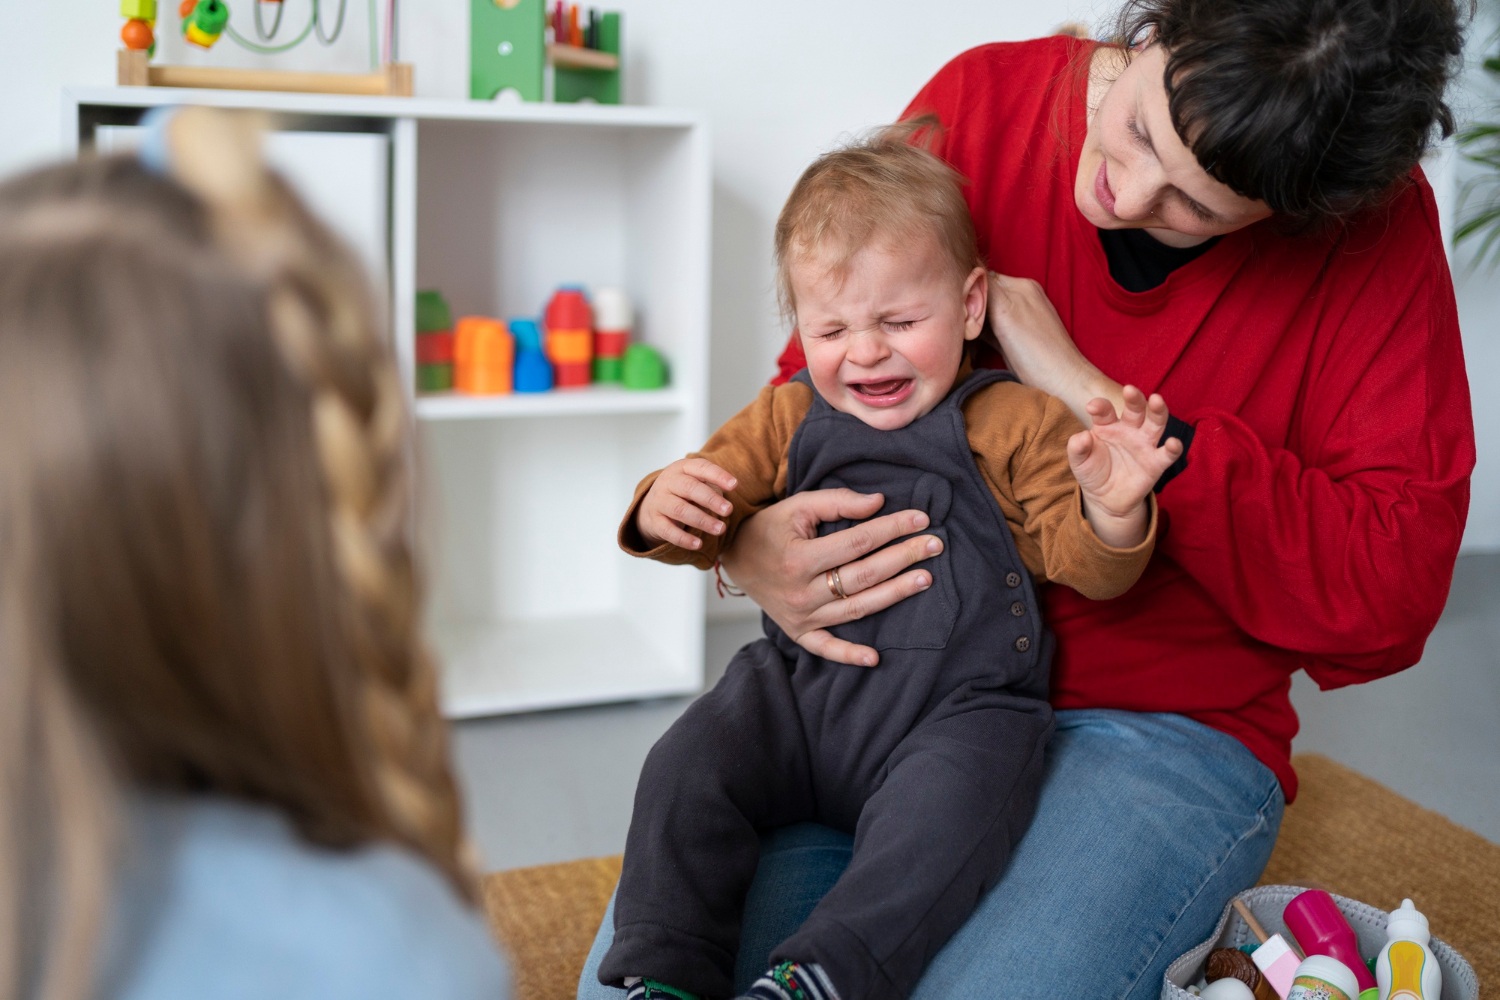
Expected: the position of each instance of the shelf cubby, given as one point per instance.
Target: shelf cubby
(532, 606)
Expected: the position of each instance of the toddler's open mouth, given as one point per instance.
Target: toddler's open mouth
(886, 392)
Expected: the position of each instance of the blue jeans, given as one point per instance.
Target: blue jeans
(1148, 824)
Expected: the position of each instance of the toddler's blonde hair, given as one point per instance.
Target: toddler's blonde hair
(885, 187)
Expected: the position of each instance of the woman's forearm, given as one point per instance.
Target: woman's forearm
(1038, 348)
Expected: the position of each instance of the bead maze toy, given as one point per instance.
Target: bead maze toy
(204, 22)
(511, 42)
(139, 33)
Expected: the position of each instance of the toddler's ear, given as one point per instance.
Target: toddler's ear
(976, 302)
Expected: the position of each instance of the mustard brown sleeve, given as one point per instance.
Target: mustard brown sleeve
(1019, 436)
(752, 446)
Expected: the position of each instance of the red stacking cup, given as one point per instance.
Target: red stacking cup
(435, 348)
(568, 342)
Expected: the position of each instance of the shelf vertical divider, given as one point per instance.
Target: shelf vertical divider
(403, 249)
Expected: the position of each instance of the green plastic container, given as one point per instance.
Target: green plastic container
(432, 312)
(644, 368)
(600, 86)
(434, 378)
(609, 370)
(506, 50)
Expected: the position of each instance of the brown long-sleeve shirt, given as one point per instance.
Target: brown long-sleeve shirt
(1018, 436)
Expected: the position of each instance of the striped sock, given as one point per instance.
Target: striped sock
(793, 981)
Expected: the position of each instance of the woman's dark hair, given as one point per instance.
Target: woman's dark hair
(1319, 108)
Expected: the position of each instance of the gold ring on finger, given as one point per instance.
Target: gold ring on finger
(835, 585)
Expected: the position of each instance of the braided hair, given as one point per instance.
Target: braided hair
(331, 343)
(207, 578)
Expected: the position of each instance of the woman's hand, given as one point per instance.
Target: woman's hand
(1038, 349)
(779, 560)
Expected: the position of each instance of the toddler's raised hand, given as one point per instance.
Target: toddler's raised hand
(687, 494)
(1117, 462)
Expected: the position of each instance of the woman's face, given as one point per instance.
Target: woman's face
(1135, 173)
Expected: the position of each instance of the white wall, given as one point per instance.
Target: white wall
(1478, 290)
(779, 81)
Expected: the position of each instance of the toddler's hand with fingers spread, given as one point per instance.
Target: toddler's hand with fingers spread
(689, 493)
(1117, 462)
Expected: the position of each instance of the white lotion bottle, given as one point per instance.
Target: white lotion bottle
(1322, 978)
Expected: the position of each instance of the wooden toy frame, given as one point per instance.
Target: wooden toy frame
(136, 70)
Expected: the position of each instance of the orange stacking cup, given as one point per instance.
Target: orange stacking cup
(483, 356)
(569, 347)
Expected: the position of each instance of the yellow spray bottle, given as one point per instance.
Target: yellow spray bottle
(1406, 968)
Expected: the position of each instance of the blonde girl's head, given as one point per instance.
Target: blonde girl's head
(206, 578)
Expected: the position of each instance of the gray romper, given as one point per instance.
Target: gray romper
(933, 759)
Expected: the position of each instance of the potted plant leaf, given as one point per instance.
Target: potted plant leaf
(1480, 145)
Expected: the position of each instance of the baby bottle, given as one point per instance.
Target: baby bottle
(1320, 928)
(1406, 968)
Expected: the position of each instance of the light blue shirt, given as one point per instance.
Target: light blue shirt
(222, 900)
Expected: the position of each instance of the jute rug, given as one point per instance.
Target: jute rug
(1345, 834)
(1349, 835)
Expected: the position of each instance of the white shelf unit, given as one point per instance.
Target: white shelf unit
(532, 606)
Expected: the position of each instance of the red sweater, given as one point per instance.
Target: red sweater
(1318, 519)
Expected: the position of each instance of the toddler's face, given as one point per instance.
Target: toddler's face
(885, 342)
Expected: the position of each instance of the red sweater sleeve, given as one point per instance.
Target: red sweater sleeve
(1341, 545)
(790, 361)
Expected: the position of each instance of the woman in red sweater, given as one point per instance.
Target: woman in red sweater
(1229, 213)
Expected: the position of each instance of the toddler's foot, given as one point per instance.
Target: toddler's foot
(793, 981)
(650, 989)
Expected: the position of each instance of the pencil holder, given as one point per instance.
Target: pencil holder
(1267, 902)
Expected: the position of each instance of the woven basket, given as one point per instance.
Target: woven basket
(1267, 903)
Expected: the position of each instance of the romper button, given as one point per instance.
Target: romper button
(1018, 609)
(1013, 579)
(1023, 644)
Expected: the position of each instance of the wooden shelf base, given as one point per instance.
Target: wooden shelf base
(135, 70)
(573, 57)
